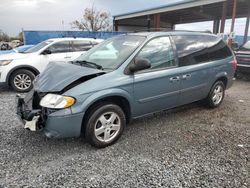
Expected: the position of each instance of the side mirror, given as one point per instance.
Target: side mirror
(139, 64)
(46, 52)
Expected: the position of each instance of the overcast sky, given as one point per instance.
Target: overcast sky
(48, 14)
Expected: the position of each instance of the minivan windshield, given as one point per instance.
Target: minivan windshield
(112, 52)
(38, 46)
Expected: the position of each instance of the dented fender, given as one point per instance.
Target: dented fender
(89, 99)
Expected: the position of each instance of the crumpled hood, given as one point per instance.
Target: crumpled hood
(59, 75)
(14, 56)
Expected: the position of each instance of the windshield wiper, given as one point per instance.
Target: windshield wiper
(89, 63)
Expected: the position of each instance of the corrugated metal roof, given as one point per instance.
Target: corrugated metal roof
(168, 7)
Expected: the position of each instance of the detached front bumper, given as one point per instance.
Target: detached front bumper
(32, 119)
(57, 124)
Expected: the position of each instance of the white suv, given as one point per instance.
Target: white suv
(19, 70)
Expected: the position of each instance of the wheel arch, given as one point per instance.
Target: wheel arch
(27, 67)
(117, 98)
(222, 78)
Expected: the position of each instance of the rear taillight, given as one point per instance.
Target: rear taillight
(234, 64)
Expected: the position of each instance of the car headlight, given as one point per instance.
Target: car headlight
(5, 62)
(57, 101)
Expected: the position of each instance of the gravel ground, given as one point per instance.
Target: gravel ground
(190, 146)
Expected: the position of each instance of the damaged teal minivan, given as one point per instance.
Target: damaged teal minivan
(123, 78)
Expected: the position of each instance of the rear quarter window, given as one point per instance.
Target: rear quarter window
(195, 49)
(81, 45)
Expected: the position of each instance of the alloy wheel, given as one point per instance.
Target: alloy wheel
(22, 81)
(217, 94)
(107, 126)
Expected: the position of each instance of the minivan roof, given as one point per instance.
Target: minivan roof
(159, 33)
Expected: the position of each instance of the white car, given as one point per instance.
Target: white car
(19, 70)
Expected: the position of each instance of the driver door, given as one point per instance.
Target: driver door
(157, 88)
(59, 52)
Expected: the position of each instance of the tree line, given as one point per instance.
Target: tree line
(6, 38)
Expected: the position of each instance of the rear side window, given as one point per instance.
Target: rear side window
(81, 46)
(60, 47)
(195, 49)
(219, 51)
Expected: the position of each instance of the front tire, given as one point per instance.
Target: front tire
(21, 80)
(216, 95)
(105, 124)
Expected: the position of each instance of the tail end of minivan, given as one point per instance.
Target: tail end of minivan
(234, 64)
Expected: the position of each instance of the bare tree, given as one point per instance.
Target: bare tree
(4, 37)
(93, 20)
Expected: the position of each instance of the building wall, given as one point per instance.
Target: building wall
(131, 28)
(163, 25)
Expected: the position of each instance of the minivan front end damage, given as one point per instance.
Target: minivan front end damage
(54, 123)
(59, 123)
(33, 118)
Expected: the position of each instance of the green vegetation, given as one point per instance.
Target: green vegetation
(6, 38)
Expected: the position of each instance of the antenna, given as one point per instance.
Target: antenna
(63, 25)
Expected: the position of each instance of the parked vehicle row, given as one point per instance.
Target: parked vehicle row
(5, 46)
(19, 49)
(243, 58)
(19, 69)
(123, 78)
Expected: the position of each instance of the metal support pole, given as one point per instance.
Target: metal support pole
(234, 15)
(223, 17)
(157, 21)
(172, 26)
(247, 25)
(149, 22)
(233, 21)
(216, 26)
(113, 24)
(116, 25)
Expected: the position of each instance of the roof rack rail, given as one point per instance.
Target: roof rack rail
(166, 29)
(152, 30)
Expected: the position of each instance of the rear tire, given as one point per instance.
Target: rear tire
(104, 124)
(21, 80)
(216, 95)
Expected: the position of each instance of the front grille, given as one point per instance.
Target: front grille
(37, 97)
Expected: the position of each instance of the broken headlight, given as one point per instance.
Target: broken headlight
(57, 101)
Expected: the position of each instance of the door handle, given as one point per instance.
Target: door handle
(67, 57)
(174, 79)
(186, 76)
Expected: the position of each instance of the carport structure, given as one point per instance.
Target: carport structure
(186, 11)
